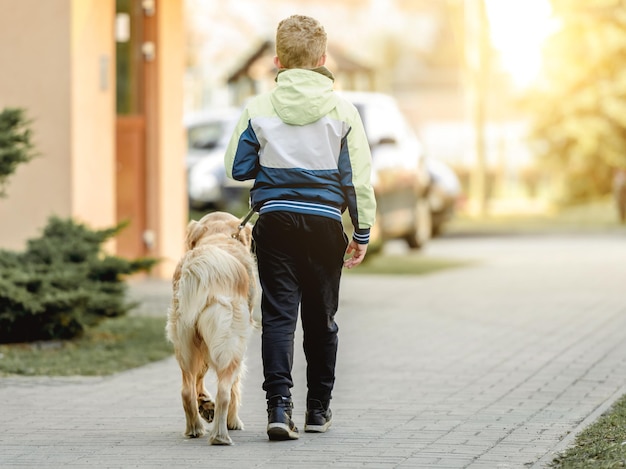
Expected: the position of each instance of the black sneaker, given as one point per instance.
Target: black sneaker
(279, 424)
(318, 416)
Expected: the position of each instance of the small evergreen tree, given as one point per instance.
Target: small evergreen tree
(15, 143)
(62, 283)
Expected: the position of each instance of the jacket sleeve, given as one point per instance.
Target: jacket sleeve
(241, 159)
(357, 180)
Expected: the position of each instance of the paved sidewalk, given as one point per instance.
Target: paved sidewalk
(495, 365)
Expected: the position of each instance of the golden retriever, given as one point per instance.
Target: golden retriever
(210, 320)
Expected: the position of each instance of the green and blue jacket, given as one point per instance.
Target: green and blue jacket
(306, 149)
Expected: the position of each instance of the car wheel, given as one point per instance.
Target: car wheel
(421, 229)
(437, 221)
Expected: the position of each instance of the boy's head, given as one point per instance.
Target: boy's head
(300, 43)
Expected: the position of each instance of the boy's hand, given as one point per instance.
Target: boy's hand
(358, 254)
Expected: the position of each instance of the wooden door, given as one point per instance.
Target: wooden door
(135, 54)
(131, 184)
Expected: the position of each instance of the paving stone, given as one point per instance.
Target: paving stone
(495, 365)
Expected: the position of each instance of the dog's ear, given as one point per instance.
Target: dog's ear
(195, 231)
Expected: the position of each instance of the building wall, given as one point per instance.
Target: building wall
(36, 75)
(55, 54)
(92, 107)
(58, 62)
(169, 213)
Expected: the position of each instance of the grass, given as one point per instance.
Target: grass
(239, 210)
(601, 445)
(116, 344)
(403, 265)
(599, 215)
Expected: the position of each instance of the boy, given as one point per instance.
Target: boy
(306, 149)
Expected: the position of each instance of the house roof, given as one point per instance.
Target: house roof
(342, 61)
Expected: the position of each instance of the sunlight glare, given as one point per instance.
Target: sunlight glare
(518, 30)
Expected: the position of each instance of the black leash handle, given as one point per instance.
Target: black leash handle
(246, 219)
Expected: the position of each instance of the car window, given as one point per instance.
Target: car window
(205, 136)
(383, 122)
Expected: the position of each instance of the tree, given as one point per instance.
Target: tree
(15, 144)
(579, 124)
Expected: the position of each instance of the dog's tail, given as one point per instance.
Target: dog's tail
(207, 273)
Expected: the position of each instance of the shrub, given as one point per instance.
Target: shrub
(15, 143)
(62, 283)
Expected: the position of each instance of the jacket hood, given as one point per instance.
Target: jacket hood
(303, 96)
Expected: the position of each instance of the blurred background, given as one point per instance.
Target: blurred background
(476, 110)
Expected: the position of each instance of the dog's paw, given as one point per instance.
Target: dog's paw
(195, 431)
(206, 407)
(223, 440)
(236, 424)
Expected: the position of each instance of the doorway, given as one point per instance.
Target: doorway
(135, 35)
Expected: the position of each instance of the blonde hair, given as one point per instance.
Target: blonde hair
(300, 42)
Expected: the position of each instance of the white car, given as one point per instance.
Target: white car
(444, 193)
(400, 176)
(207, 138)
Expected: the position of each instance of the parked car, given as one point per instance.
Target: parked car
(400, 175)
(444, 193)
(206, 131)
(399, 172)
(208, 134)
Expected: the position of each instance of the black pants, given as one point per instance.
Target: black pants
(300, 258)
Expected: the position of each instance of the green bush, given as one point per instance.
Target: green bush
(62, 283)
(15, 143)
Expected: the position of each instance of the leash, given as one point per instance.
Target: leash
(243, 222)
(246, 219)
